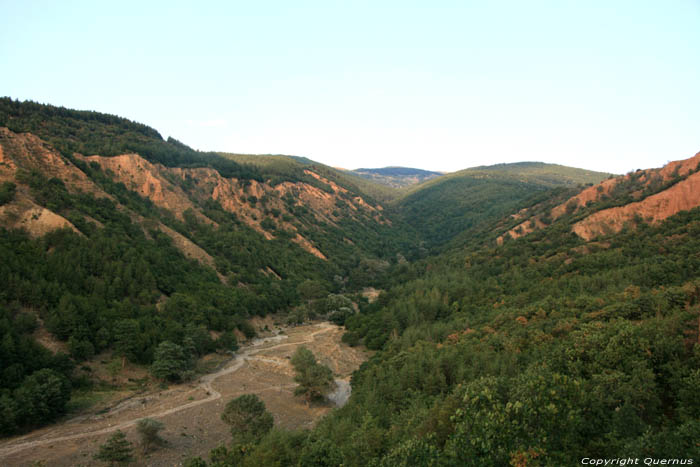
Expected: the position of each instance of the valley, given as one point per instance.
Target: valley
(191, 411)
(516, 314)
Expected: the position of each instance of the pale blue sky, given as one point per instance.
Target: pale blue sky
(607, 85)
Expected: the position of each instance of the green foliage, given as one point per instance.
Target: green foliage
(310, 289)
(42, 396)
(148, 429)
(537, 352)
(279, 448)
(170, 362)
(7, 192)
(195, 462)
(248, 418)
(117, 450)
(315, 380)
(463, 203)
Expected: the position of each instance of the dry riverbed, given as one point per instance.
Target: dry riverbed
(191, 412)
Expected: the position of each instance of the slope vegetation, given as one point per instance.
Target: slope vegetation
(121, 244)
(397, 177)
(650, 195)
(543, 350)
(458, 205)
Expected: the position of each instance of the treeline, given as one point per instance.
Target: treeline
(539, 352)
(89, 133)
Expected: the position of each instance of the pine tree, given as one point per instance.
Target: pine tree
(248, 418)
(117, 450)
(315, 380)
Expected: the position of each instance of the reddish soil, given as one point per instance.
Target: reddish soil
(250, 201)
(682, 196)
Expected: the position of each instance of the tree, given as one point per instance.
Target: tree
(315, 380)
(8, 414)
(195, 462)
(311, 289)
(248, 418)
(126, 334)
(117, 450)
(43, 396)
(169, 361)
(7, 192)
(148, 429)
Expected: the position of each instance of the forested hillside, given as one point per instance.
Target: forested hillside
(458, 205)
(540, 351)
(526, 316)
(397, 177)
(114, 240)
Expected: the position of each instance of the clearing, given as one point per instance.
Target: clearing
(191, 412)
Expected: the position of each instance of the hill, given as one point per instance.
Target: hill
(397, 177)
(540, 350)
(286, 165)
(458, 205)
(115, 240)
(550, 322)
(650, 195)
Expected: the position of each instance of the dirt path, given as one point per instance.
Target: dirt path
(173, 402)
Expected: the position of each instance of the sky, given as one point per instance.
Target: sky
(604, 85)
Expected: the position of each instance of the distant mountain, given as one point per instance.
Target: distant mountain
(397, 177)
(460, 204)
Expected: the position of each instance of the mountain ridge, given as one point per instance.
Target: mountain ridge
(396, 176)
(649, 195)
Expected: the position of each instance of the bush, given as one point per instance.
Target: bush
(117, 449)
(169, 362)
(7, 192)
(148, 431)
(248, 418)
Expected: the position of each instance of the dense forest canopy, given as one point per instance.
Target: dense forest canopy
(540, 350)
(452, 209)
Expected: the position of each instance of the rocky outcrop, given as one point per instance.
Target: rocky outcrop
(264, 207)
(681, 196)
(148, 180)
(251, 201)
(27, 152)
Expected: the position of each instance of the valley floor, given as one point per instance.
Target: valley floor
(191, 412)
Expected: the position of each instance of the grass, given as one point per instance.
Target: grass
(211, 363)
(84, 399)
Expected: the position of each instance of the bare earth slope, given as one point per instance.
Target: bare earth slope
(250, 200)
(680, 196)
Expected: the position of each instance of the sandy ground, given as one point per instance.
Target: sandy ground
(191, 412)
